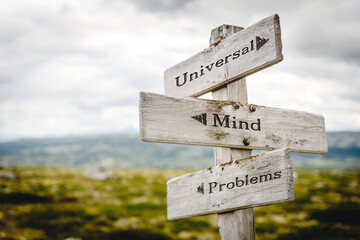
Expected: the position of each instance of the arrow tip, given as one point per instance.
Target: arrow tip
(260, 42)
(200, 188)
(200, 118)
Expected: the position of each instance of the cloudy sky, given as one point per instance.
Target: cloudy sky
(70, 67)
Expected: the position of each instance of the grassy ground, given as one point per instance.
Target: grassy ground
(60, 203)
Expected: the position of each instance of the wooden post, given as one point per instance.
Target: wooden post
(237, 225)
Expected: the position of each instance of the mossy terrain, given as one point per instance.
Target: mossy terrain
(61, 203)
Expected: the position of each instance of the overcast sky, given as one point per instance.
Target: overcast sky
(77, 67)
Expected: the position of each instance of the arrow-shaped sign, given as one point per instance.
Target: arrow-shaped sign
(248, 51)
(201, 118)
(260, 42)
(256, 181)
(222, 123)
(200, 188)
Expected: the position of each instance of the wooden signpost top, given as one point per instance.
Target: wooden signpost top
(241, 54)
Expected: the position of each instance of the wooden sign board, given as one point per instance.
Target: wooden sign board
(248, 51)
(256, 181)
(195, 121)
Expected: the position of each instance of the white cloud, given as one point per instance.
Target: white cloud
(74, 67)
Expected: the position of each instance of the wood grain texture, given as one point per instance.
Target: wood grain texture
(170, 120)
(239, 224)
(220, 33)
(255, 181)
(230, 59)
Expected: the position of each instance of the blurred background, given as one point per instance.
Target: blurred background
(72, 164)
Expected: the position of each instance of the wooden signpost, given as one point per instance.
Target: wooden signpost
(255, 181)
(237, 182)
(195, 121)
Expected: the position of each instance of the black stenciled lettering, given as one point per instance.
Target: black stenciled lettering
(265, 177)
(241, 125)
(193, 74)
(209, 67)
(178, 78)
(219, 63)
(211, 186)
(234, 123)
(248, 180)
(220, 186)
(277, 175)
(257, 124)
(232, 185)
(221, 122)
(253, 180)
(226, 58)
(236, 54)
(201, 71)
(245, 50)
(239, 183)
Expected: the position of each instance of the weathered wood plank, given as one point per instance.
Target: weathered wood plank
(256, 181)
(228, 124)
(241, 54)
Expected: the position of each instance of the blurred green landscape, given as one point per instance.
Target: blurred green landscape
(60, 203)
(45, 192)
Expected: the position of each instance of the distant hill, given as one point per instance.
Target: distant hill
(344, 152)
(127, 150)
